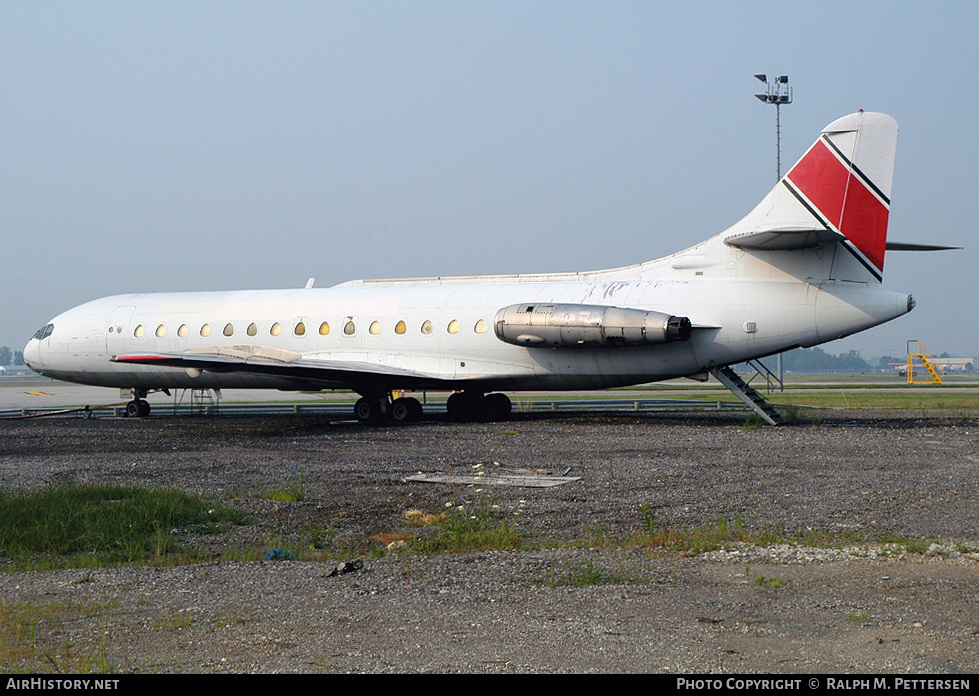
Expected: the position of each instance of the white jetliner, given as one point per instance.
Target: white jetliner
(804, 267)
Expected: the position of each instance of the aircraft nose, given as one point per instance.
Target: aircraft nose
(32, 353)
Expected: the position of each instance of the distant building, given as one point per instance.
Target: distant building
(955, 364)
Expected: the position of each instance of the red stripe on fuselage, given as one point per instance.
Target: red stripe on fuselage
(844, 200)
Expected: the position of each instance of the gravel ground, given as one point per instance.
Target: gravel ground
(868, 607)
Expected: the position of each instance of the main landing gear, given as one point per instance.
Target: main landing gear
(405, 409)
(461, 406)
(468, 406)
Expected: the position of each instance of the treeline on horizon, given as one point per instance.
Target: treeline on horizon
(808, 360)
(10, 357)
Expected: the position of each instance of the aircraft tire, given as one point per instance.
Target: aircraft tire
(496, 407)
(406, 410)
(137, 408)
(367, 410)
(416, 409)
(455, 406)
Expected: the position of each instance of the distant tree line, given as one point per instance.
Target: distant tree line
(807, 360)
(8, 357)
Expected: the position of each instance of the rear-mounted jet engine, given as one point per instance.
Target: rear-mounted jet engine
(586, 326)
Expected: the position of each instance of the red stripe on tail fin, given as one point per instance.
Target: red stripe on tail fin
(844, 200)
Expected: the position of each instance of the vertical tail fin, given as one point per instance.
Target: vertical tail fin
(838, 191)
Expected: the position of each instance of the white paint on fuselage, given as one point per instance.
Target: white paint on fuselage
(785, 296)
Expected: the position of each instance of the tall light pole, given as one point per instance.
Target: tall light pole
(778, 93)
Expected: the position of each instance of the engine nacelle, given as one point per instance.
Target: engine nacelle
(586, 326)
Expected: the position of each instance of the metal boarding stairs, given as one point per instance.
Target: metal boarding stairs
(748, 394)
(921, 352)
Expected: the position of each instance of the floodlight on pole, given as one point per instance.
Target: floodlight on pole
(778, 93)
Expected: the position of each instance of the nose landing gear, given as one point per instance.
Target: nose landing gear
(138, 408)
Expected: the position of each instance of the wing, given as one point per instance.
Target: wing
(264, 360)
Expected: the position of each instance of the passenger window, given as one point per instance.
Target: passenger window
(206, 330)
(139, 332)
(182, 331)
(375, 328)
(300, 329)
(349, 329)
(252, 329)
(401, 328)
(276, 329)
(161, 331)
(325, 328)
(427, 327)
(453, 327)
(480, 326)
(229, 330)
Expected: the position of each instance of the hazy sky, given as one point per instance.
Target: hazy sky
(225, 145)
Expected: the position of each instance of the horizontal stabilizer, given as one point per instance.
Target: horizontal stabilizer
(903, 246)
(785, 238)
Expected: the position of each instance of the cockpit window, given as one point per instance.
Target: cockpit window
(44, 332)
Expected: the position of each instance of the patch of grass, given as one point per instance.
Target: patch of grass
(318, 536)
(765, 583)
(702, 538)
(475, 526)
(177, 622)
(93, 526)
(293, 492)
(32, 638)
(908, 544)
(588, 574)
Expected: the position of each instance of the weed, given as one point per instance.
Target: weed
(772, 583)
(293, 492)
(587, 574)
(31, 638)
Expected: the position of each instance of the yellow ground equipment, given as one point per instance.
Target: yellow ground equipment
(917, 349)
